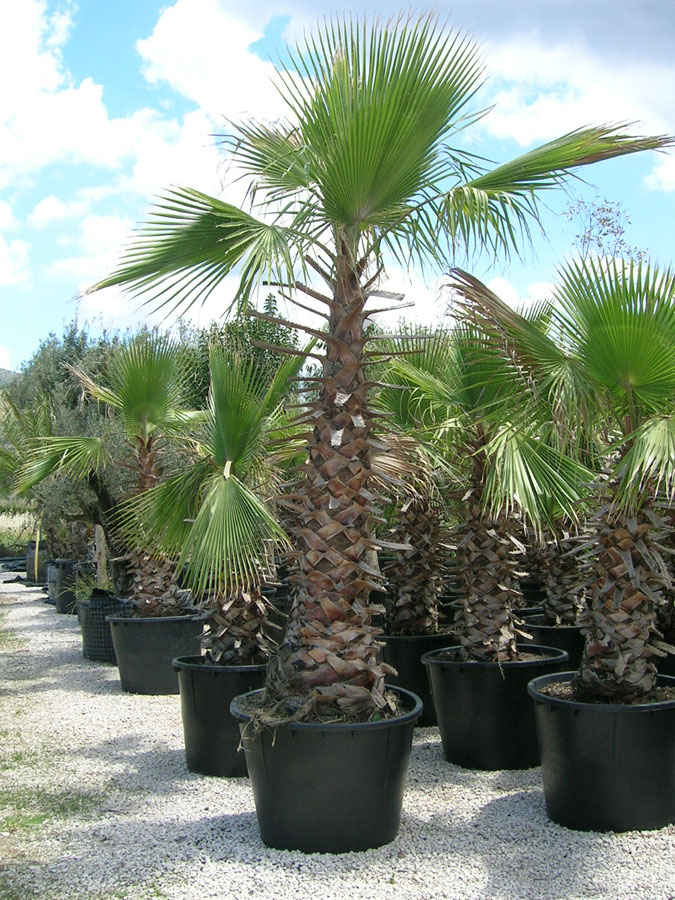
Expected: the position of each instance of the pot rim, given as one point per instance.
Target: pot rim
(408, 716)
(393, 638)
(570, 628)
(552, 653)
(128, 617)
(533, 689)
(192, 663)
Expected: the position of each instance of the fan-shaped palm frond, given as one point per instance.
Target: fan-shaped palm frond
(75, 456)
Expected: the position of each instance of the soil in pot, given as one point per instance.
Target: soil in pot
(212, 742)
(404, 653)
(301, 801)
(484, 714)
(606, 767)
(565, 637)
(145, 649)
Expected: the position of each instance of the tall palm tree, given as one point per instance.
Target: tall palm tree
(145, 394)
(363, 170)
(612, 346)
(215, 516)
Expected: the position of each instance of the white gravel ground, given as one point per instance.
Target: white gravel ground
(110, 812)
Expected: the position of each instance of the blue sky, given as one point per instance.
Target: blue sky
(105, 104)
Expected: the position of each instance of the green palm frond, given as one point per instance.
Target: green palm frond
(649, 463)
(191, 242)
(228, 541)
(524, 474)
(556, 379)
(619, 319)
(75, 456)
(210, 516)
(375, 104)
(145, 385)
(496, 209)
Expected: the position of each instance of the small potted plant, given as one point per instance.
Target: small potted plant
(215, 517)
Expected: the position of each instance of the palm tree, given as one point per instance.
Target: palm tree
(144, 392)
(612, 346)
(363, 170)
(215, 515)
(477, 415)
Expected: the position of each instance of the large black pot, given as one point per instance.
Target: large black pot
(606, 767)
(211, 733)
(404, 653)
(329, 788)
(485, 717)
(565, 637)
(96, 635)
(65, 579)
(146, 647)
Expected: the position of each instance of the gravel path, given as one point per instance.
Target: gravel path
(95, 802)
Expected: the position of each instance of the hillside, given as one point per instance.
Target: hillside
(5, 377)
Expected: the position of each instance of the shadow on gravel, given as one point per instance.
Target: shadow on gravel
(155, 770)
(524, 854)
(104, 855)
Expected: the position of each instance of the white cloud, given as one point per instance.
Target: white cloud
(534, 293)
(7, 219)
(662, 177)
(51, 209)
(5, 358)
(201, 50)
(14, 259)
(542, 90)
(99, 241)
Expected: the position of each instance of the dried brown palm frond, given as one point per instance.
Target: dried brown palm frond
(236, 628)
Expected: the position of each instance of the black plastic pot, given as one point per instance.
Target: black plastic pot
(565, 637)
(31, 577)
(51, 581)
(606, 767)
(533, 592)
(146, 648)
(211, 733)
(485, 717)
(404, 653)
(666, 664)
(65, 578)
(96, 636)
(329, 788)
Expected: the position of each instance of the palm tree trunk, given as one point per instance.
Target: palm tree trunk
(329, 655)
(152, 585)
(235, 629)
(414, 576)
(621, 635)
(486, 625)
(567, 580)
